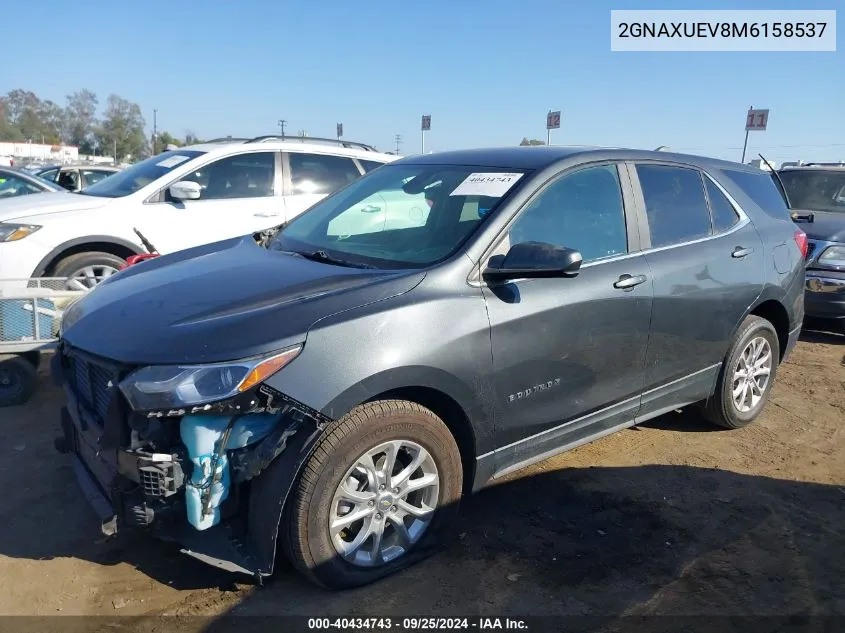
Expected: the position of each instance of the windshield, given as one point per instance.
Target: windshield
(399, 216)
(815, 189)
(139, 175)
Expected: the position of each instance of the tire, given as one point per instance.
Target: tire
(83, 264)
(17, 380)
(309, 544)
(721, 408)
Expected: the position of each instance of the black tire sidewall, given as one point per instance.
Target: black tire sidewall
(26, 375)
(328, 568)
(757, 327)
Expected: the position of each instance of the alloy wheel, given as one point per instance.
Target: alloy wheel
(384, 503)
(751, 374)
(89, 276)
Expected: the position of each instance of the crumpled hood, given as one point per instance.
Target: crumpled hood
(827, 226)
(36, 204)
(219, 302)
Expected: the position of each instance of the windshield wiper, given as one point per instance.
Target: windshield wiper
(323, 256)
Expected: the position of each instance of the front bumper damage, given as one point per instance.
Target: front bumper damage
(137, 472)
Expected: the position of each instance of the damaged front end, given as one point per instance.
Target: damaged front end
(152, 450)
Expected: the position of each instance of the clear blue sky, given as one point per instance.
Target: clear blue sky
(487, 72)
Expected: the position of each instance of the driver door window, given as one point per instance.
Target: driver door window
(581, 210)
(241, 176)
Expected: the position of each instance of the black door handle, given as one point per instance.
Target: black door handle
(627, 282)
(741, 251)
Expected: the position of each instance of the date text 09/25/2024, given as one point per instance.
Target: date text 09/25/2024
(417, 624)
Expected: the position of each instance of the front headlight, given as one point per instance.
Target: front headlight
(177, 386)
(14, 232)
(833, 256)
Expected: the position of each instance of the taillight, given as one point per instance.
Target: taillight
(801, 240)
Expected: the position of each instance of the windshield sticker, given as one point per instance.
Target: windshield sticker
(172, 161)
(493, 184)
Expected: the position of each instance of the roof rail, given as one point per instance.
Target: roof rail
(227, 139)
(312, 139)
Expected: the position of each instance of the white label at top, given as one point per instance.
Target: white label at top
(493, 184)
(172, 161)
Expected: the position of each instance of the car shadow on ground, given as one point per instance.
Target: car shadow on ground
(579, 541)
(669, 540)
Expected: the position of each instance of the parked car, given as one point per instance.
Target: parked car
(19, 182)
(817, 196)
(335, 394)
(6, 161)
(178, 199)
(76, 177)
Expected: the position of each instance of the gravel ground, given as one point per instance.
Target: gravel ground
(672, 517)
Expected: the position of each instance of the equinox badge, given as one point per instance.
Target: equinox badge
(527, 393)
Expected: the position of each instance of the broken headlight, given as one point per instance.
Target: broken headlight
(175, 386)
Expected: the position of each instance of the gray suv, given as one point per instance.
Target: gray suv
(337, 392)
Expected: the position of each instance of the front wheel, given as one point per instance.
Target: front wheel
(747, 375)
(376, 496)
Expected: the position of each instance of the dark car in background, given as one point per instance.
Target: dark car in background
(19, 182)
(336, 392)
(817, 198)
(76, 177)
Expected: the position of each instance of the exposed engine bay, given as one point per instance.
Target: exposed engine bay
(183, 473)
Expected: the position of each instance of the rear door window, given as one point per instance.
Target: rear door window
(320, 173)
(675, 204)
(762, 191)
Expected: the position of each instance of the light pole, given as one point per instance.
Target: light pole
(282, 126)
(155, 132)
(398, 140)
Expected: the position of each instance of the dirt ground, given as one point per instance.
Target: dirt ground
(672, 517)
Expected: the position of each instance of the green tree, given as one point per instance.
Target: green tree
(8, 132)
(165, 139)
(526, 141)
(121, 129)
(53, 122)
(81, 119)
(23, 112)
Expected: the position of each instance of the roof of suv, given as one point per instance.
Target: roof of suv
(540, 157)
(306, 144)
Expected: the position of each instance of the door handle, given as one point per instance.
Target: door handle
(272, 214)
(741, 251)
(370, 208)
(627, 282)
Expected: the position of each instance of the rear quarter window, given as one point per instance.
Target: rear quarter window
(762, 191)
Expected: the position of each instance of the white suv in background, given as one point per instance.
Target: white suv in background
(178, 199)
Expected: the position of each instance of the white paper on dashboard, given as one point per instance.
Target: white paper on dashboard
(494, 184)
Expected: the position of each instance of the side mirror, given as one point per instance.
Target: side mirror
(531, 260)
(185, 190)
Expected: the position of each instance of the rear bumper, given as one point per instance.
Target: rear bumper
(824, 295)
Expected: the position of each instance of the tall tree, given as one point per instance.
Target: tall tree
(53, 122)
(81, 119)
(23, 109)
(8, 132)
(122, 128)
(165, 139)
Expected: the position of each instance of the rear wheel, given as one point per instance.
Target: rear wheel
(18, 378)
(747, 375)
(86, 270)
(376, 496)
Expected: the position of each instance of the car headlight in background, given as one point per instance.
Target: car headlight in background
(13, 232)
(177, 386)
(833, 256)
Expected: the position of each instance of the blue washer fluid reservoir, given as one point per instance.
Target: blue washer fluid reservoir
(201, 435)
